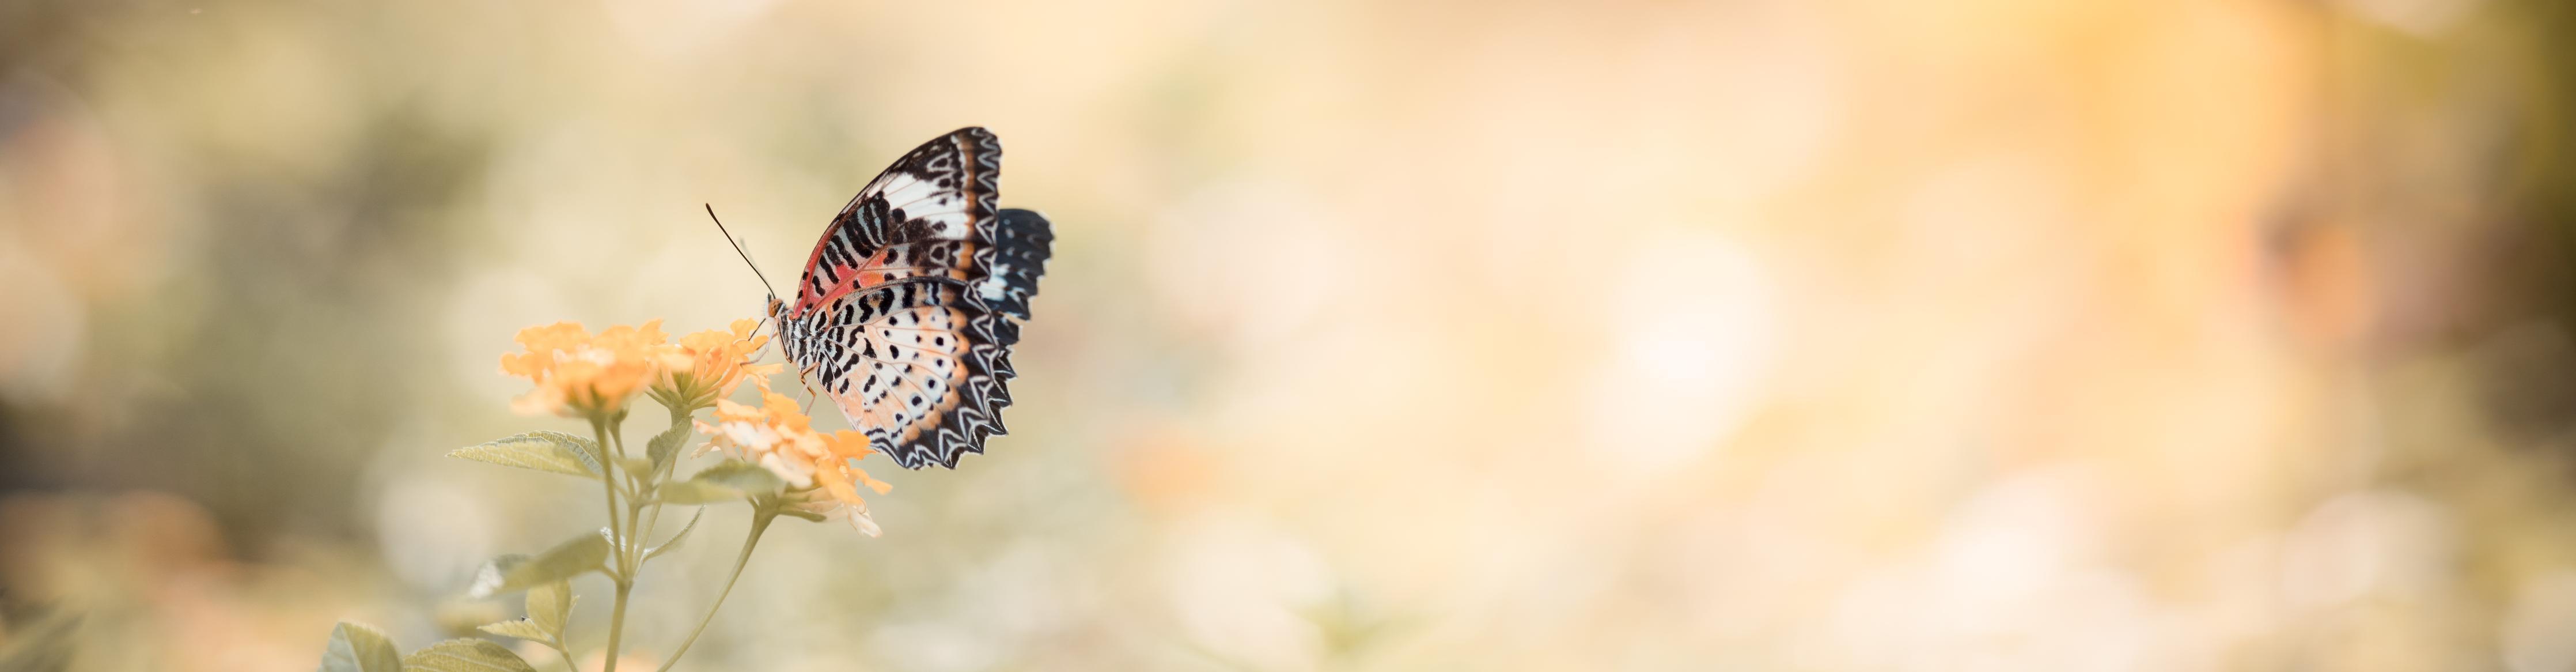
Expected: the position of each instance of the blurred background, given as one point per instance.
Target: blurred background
(1745, 334)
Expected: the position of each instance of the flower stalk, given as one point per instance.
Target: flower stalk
(762, 514)
(623, 574)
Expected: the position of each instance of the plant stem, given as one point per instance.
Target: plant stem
(624, 578)
(760, 517)
(607, 476)
(661, 473)
(617, 623)
(634, 482)
(634, 505)
(560, 650)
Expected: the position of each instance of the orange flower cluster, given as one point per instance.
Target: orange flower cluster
(710, 364)
(820, 467)
(581, 374)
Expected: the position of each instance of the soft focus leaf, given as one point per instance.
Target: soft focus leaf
(694, 493)
(360, 648)
(675, 540)
(543, 451)
(44, 645)
(666, 445)
(489, 579)
(575, 556)
(636, 466)
(749, 478)
(731, 480)
(808, 515)
(465, 655)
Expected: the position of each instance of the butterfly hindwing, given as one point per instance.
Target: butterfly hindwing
(906, 363)
(1014, 256)
(912, 301)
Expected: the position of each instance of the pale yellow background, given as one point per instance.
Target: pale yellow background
(1879, 335)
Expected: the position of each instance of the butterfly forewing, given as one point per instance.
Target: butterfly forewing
(910, 302)
(921, 216)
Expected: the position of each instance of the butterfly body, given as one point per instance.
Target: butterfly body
(910, 303)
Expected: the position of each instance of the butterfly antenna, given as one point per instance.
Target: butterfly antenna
(737, 249)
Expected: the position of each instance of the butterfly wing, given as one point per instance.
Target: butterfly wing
(921, 216)
(911, 302)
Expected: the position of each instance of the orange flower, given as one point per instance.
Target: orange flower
(820, 469)
(708, 365)
(577, 373)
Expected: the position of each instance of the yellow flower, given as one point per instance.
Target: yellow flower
(820, 469)
(577, 373)
(708, 365)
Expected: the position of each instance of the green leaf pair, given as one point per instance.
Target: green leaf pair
(359, 648)
(562, 453)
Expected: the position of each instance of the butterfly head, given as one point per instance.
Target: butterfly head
(782, 332)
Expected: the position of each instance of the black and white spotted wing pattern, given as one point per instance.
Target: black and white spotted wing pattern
(911, 302)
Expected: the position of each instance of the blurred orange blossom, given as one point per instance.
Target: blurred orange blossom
(578, 373)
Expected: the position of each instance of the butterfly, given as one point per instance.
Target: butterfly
(913, 298)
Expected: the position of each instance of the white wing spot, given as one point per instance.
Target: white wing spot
(992, 286)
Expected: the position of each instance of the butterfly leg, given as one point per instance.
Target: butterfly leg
(810, 395)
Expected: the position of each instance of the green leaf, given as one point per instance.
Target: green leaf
(675, 539)
(522, 628)
(359, 648)
(465, 655)
(808, 515)
(666, 445)
(549, 605)
(576, 556)
(636, 466)
(728, 481)
(543, 451)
